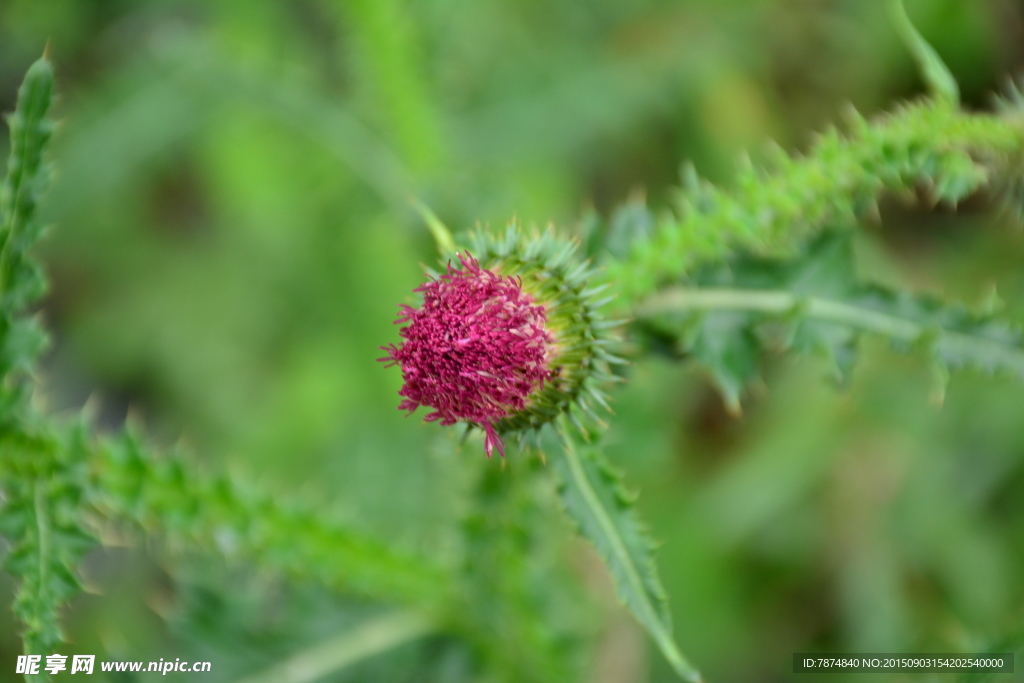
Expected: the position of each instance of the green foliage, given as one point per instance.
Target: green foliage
(42, 471)
(517, 621)
(594, 496)
(44, 512)
(26, 177)
(729, 315)
(21, 281)
(1013, 642)
(776, 209)
(164, 495)
(766, 264)
(1010, 184)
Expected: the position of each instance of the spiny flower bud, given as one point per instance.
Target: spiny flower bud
(507, 342)
(475, 350)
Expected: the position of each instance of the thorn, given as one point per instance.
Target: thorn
(575, 421)
(852, 115)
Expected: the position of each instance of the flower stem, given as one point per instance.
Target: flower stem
(853, 315)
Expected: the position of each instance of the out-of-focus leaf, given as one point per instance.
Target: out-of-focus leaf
(522, 627)
(165, 495)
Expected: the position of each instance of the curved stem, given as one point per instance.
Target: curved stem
(362, 642)
(440, 232)
(936, 74)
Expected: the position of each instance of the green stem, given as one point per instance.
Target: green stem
(936, 74)
(776, 210)
(859, 317)
(442, 235)
(366, 640)
(43, 534)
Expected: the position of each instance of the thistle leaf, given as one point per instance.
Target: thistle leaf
(43, 480)
(777, 210)
(815, 304)
(166, 495)
(1008, 186)
(20, 280)
(42, 473)
(595, 498)
(630, 222)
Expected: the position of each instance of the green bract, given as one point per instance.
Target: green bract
(553, 275)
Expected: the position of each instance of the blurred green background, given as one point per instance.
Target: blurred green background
(232, 235)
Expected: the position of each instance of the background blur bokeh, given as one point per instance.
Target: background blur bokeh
(233, 235)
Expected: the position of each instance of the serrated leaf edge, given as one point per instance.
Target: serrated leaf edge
(647, 614)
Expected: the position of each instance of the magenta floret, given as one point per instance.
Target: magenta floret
(475, 351)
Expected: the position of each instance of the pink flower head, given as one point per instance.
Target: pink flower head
(476, 350)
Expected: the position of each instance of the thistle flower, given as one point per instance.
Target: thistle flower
(507, 342)
(475, 351)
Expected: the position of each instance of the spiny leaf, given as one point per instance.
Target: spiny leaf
(593, 495)
(21, 282)
(30, 131)
(815, 304)
(774, 211)
(496, 605)
(725, 345)
(42, 472)
(630, 222)
(166, 496)
(44, 479)
(1009, 185)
